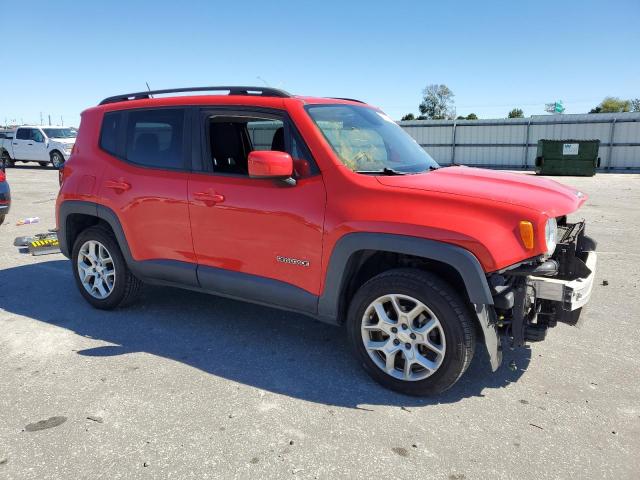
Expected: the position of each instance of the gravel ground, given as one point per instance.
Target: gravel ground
(185, 385)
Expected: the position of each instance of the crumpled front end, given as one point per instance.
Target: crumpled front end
(533, 296)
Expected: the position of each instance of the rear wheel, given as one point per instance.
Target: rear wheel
(56, 159)
(2, 217)
(43, 164)
(100, 270)
(411, 331)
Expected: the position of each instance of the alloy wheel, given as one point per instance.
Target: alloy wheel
(403, 337)
(96, 269)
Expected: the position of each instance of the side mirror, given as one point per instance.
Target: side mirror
(270, 164)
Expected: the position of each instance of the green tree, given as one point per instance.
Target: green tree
(437, 102)
(635, 105)
(516, 113)
(612, 105)
(409, 116)
(472, 116)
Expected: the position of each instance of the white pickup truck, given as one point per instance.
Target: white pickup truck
(37, 144)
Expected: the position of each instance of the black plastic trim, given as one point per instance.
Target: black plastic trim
(233, 90)
(462, 260)
(347, 99)
(256, 289)
(67, 208)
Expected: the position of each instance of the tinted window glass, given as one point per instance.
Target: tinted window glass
(36, 135)
(23, 134)
(59, 132)
(109, 134)
(154, 138)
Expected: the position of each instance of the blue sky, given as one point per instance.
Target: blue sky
(64, 56)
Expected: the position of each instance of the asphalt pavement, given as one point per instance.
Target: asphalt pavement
(186, 385)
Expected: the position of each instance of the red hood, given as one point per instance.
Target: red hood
(540, 194)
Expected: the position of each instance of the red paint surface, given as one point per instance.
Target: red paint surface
(242, 224)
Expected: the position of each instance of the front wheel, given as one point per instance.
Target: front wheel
(56, 159)
(411, 331)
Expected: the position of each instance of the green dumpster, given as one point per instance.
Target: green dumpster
(567, 157)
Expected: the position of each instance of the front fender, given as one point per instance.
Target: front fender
(463, 261)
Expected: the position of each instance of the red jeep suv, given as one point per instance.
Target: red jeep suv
(326, 207)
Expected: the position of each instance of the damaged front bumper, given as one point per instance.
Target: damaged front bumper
(534, 296)
(569, 295)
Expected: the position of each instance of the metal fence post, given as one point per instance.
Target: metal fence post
(526, 146)
(611, 133)
(453, 144)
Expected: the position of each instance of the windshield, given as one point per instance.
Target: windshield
(368, 141)
(59, 132)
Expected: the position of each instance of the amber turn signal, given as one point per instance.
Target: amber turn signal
(526, 233)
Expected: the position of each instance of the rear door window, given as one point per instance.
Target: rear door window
(23, 134)
(155, 138)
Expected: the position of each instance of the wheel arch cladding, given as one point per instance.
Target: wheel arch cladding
(464, 262)
(72, 215)
(76, 215)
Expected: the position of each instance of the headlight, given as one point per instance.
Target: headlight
(551, 235)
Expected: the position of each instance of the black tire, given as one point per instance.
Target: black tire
(2, 217)
(57, 159)
(43, 164)
(448, 307)
(126, 286)
(6, 160)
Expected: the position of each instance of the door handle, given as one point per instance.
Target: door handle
(118, 185)
(29, 143)
(209, 198)
(15, 143)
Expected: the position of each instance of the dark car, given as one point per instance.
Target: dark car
(5, 196)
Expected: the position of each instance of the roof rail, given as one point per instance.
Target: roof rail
(258, 91)
(348, 99)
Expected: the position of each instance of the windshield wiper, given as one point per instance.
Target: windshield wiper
(384, 171)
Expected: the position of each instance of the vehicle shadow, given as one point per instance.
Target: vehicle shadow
(277, 351)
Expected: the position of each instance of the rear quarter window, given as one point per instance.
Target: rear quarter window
(109, 132)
